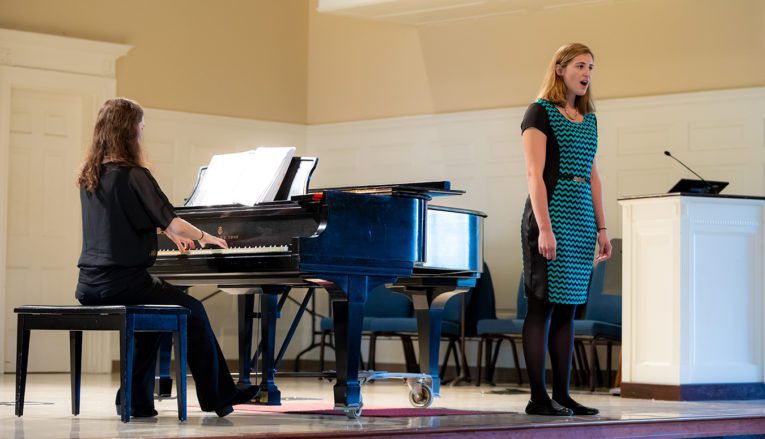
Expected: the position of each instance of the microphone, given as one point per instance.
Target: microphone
(711, 189)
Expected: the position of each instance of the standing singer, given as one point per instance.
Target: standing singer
(562, 221)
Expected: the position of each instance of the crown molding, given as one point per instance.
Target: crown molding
(56, 53)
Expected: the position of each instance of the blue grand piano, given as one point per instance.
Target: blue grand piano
(347, 241)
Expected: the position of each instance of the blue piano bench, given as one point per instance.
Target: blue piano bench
(126, 319)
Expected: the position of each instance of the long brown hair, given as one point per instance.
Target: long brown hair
(554, 89)
(115, 138)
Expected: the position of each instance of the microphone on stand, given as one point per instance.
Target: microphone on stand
(710, 188)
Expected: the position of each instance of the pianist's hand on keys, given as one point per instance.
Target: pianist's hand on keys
(185, 244)
(208, 239)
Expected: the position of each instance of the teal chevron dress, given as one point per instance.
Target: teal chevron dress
(570, 151)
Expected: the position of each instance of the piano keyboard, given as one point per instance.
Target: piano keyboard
(226, 251)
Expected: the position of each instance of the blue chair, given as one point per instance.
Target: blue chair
(454, 328)
(601, 322)
(392, 315)
(405, 328)
(395, 310)
(499, 330)
(458, 321)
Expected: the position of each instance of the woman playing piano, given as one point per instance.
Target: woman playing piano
(562, 222)
(122, 210)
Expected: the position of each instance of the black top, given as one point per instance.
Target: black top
(119, 226)
(536, 117)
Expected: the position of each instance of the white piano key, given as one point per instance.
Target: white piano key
(226, 251)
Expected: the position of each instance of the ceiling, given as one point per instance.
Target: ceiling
(431, 12)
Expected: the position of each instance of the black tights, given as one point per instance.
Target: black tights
(548, 326)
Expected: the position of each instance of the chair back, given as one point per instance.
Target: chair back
(453, 308)
(612, 284)
(601, 306)
(481, 303)
(382, 302)
(521, 302)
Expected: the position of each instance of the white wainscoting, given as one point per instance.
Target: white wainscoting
(719, 134)
(178, 144)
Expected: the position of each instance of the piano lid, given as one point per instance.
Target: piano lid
(432, 188)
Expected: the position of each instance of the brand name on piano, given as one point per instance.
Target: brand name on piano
(222, 235)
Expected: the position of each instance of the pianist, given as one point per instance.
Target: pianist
(122, 209)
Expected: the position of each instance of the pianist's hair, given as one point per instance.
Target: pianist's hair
(115, 137)
(554, 89)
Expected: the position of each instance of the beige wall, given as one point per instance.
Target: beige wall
(280, 60)
(243, 58)
(642, 47)
(363, 69)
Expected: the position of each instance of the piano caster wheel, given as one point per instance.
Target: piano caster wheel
(353, 413)
(423, 398)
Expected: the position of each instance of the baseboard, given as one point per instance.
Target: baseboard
(694, 392)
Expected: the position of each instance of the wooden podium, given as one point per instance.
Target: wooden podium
(693, 311)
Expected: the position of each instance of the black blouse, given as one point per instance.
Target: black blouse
(120, 218)
(536, 117)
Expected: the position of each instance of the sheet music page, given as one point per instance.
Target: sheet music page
(271, 164)
(300, 182)
(248, 177)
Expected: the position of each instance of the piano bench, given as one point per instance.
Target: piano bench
(126, 319)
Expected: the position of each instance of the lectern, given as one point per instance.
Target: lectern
(693, 307)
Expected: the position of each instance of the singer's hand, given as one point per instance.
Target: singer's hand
(547, 244)
(604, 247)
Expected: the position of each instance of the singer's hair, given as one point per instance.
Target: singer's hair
(115, 138)
(554, 89)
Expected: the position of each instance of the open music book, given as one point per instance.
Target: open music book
(248, 177)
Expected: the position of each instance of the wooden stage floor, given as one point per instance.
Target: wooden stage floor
(48, 415)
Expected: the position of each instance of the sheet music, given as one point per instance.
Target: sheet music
(300, 182)
(248, 177)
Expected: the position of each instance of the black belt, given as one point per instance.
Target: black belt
(574, 178)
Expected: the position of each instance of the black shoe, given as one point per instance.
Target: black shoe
(240, 397)
(547, 408)
(245, 395)
(137, 412)
(579, 409)
(224, 411)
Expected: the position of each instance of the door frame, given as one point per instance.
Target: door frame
(61, 65)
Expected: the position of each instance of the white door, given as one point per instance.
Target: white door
(44, 235)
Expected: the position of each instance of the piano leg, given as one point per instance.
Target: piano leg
(429, 318)
(269, 312)
(349, 294)
(246, 305)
